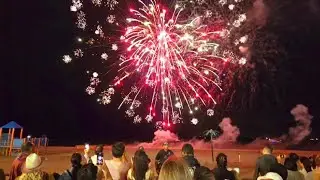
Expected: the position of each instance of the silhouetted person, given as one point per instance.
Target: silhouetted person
(17, 164)
(162, 156)
(187, 153)
(292, 167)
(88, 172)
(71, 174)
(118, 166)
(264, 162)
(203, 173)
(221, 172)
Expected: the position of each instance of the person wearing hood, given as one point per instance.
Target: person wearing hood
(188, 155)
(221, 172)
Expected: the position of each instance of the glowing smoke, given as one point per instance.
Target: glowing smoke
(228, 137)
(230, 132)
(161, 136)
(302, 130)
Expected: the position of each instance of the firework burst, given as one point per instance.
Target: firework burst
(169, 63)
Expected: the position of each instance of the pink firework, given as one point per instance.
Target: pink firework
(172, 64)
(177, 63)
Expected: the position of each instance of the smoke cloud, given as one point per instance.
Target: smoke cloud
(230, 132)
(303, 119)
(228, 137)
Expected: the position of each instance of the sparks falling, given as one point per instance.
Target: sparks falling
(172, 64)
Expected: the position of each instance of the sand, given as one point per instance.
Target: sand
(57, 158)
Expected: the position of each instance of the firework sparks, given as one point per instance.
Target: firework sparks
(172, 63)
(67, 59)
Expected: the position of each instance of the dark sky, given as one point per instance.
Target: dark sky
(41, 93)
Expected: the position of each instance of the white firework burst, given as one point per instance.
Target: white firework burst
(176, 118)
(111, 19)
(97, 2)
(242, 61)
(110, 90)
(130, 112)
(99, 31)
(94, 81)
(134, 89)
(90, 90)
(81, 20)
(194, 121)
(137, 119)
(66, 59)
(223, 2)
(149, 118)
(78, 53)
(114, 47)
(76, 5)
(178, 105)
(106, 99)
(111, 4)
(210, 112)
(104, 56)
(136, 103)
(243, 39)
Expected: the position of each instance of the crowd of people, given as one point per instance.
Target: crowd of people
(168, 166)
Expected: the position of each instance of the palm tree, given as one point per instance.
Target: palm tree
(212, 134)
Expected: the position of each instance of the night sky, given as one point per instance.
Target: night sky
(41, 93)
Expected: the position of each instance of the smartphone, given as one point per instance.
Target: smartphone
(100, 158)
(87, 146)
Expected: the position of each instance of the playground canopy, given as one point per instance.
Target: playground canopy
(8, 141)
(11, 125)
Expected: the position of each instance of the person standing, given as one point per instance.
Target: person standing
(17, 164)
(140, 167)
(118, 166)
(187, 153)
(162, 156)
(264, 162)
(221, 172)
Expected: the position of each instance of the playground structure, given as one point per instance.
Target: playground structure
(11, 145)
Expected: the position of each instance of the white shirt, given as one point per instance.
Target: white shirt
(270, 175)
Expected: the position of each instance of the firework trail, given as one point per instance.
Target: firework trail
(169, 60)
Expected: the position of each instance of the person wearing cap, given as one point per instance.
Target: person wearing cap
(32, 169)
(162, 156)
(17, 164)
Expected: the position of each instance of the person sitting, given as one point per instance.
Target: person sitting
(17, 164)
(87, 172)
(71, 174)
(307, 168)
(32, 169)
(140, 169)
(162, 156)
(293, 173)
(118, 166)
(221, 172)
(175, 169)
(264, 161)
(203, 173)
(187, 153)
